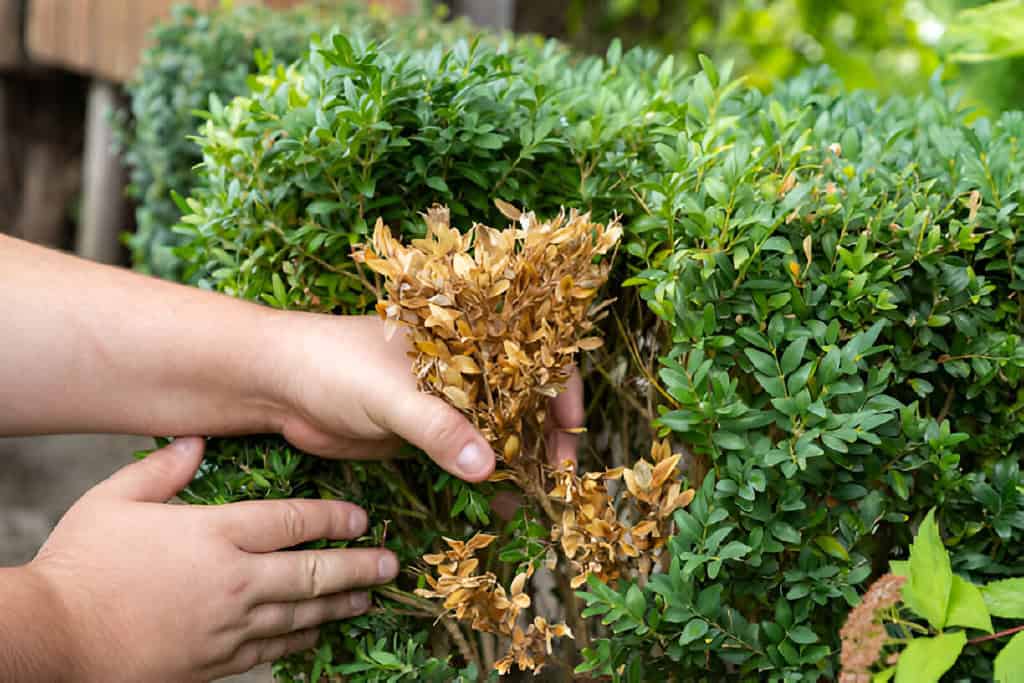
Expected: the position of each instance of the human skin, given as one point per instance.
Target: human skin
(178, 593)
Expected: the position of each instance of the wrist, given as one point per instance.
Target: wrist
(37, 640)
(279, 366)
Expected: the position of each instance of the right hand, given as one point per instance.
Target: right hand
(154, 592)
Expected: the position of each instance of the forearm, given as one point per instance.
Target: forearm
(35, 644)
(90, 348)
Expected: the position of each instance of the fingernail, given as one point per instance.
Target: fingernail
(387, 567)
(356, 522)
(183, 444)
(360, 601)
(472, 460)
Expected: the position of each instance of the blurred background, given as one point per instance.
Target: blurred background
(64, 65)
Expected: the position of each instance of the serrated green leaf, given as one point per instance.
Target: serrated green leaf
(930, 578)
(1009, 663)
(924, 660)
(1005, 599)
(967, 606)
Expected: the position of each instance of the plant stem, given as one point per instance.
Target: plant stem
(1000, 634)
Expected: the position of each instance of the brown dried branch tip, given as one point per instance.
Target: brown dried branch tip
(863, 635)
(594, 536)
(481, 601)
(496, 316)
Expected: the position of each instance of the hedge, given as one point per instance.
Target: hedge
(818, 297)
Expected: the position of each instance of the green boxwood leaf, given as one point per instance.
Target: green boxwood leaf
(803, 635)
(729, 441)
(832, 546)
(695, 629)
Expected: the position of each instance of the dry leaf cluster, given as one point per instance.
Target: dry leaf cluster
(481, 601)
(594, 533)
(496, 316)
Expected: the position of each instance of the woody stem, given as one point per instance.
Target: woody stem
(531, 475)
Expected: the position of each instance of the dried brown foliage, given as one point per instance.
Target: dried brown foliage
(496, 318)
(863, 634)
(595, 534)
(481, 601)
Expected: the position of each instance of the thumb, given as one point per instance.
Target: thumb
(443, 432)
(158, 477)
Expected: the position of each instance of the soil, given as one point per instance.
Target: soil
(43, 476)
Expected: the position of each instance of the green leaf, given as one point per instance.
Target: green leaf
(764, 362)
(803, 635)
(279, 292)
(1009, 663)
(925, 659)
(832, 546)
(884, 675)
(709, 68)
(930, 578)
(1005, 599)
(436, 183)
(793, 356)
(729, 441)
(967, 606)
(694, 630)
(635, 602)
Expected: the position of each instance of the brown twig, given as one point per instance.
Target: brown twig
(993, 636)
(468, 652)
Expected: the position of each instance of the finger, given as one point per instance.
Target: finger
(567, 407)
(310, 574)
(562, 447)
(256, 652)
(279, 618)
(384, 449)
(159, 476)
(263, 526)
(566, 412)
(442, 431)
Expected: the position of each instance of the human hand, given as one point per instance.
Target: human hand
(154, 592)
(350, 393)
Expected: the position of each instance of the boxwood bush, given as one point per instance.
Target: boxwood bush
(818, 297)
(195, 55)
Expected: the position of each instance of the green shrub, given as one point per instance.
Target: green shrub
(195, 56)
(819, 297)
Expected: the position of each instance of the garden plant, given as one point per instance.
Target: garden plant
(797, 314)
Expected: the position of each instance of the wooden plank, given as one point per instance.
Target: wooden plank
(498, 14)
(10, 33)
(105, 38)
(43, 126)
(103, 180)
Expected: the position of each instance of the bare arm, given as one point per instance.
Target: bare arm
(91, 348)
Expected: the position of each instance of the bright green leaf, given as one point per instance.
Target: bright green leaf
(1005, 598)
(924, 660)
(967, 606)
(931, 577)
(1009, 663)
